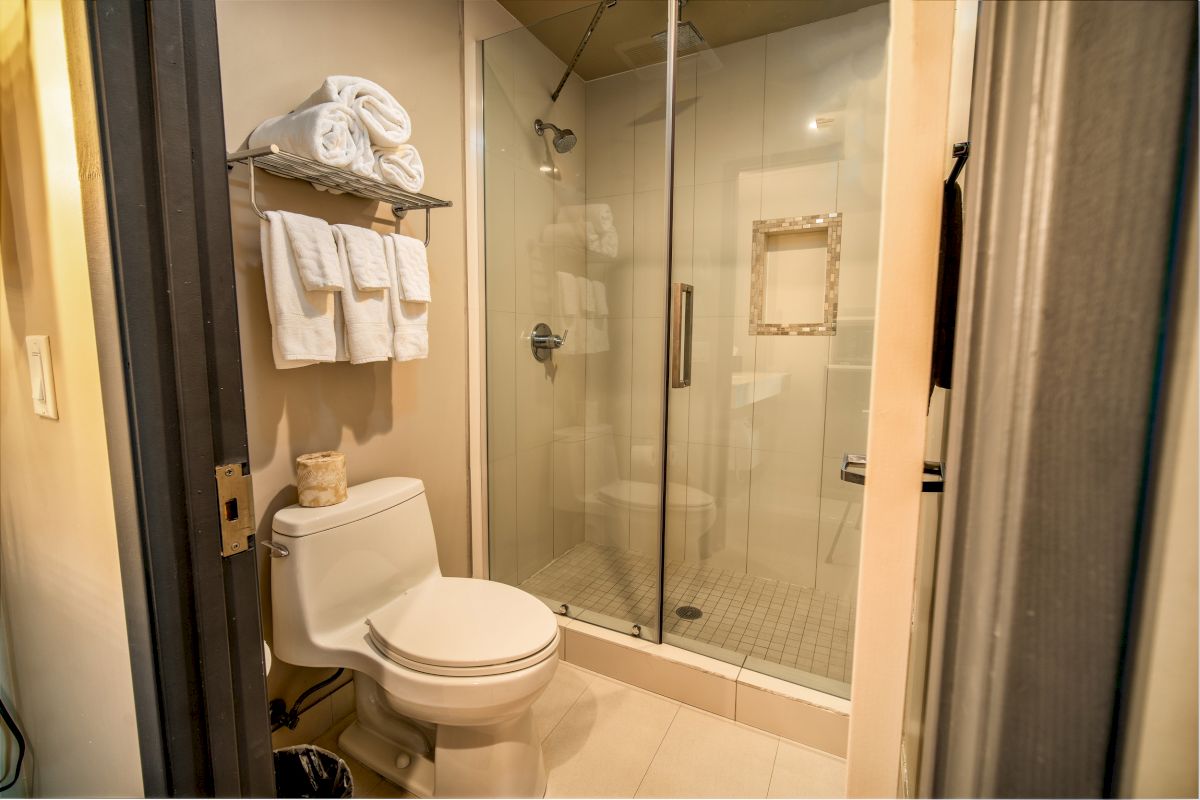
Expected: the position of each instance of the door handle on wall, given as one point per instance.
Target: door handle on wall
(933, 479)
(682, 303)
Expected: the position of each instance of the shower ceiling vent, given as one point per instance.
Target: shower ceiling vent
(644, 52)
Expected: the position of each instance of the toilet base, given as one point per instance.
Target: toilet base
(502, 759)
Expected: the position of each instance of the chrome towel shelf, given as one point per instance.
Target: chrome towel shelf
(286, 165)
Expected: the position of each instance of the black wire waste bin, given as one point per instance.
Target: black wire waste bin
(310, 771)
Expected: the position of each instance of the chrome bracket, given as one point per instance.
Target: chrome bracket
(235, 501)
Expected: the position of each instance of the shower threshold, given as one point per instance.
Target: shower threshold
(797, 633)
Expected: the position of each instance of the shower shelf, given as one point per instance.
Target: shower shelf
(287, 165)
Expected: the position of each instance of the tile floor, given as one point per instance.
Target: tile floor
(603, 738)
(794, 626)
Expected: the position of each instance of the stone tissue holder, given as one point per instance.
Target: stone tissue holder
(321, 478)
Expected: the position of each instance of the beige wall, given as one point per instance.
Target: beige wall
(389, 418)
(66, 670)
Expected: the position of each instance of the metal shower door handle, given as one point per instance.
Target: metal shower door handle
(681, 334)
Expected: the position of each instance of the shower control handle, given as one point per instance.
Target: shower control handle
(543, 341)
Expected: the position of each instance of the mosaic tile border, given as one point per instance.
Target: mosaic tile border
(762, 228)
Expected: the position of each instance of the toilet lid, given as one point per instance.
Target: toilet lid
(646, 495)
(463, 622)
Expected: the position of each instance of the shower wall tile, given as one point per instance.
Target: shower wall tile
(535, 391)
(720, 411)
(500, 241)
(502, 518)
(729, 111)
(840, 534)
(646, 406)
(858, 273)
(607, 463)
(535, 510)
(649, 91)
(569, 488)
(616, 273)
(722, 221)
(797, 191)
(784, 505)
(719, 540)
(849, 396)
(502, 340)
(534, 251)
(790, 397)
(498, 88)
(570, 384)
(650, 279)
(610, 379)
(611, 122)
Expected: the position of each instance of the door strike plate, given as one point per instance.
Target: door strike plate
(236, 509)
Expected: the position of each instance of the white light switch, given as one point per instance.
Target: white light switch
(41, 376)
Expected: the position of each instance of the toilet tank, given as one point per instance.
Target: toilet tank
(345, 561)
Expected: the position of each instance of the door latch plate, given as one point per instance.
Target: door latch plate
(235, 500)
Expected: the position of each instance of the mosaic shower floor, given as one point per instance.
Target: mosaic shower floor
(795, 627)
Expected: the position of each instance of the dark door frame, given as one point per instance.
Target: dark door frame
(198, 666)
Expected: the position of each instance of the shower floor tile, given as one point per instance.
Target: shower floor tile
(796, 627)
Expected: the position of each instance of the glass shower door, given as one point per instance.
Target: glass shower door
(778, 167)
(575, 261)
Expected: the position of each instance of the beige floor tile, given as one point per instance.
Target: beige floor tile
(569, 682)
(386, 789)
(365, 778)
(606, 740)
(704, 755)
(802, 772)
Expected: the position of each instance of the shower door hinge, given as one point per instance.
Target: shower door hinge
(235, 506)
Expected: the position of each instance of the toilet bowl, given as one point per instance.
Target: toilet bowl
(446, 669)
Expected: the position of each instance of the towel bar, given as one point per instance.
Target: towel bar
(287, 165)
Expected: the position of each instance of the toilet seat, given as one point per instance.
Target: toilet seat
(464, 627)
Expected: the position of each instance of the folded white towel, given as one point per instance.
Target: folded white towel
(366, 311)
(568, 294)
(364, 249)
(386, 121)
(316, 256)
(400, 166)
(328, 132)
(410, 321)
(413, 267)
(303, 328)
(600, 299)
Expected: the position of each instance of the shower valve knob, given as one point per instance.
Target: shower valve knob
(543, 340)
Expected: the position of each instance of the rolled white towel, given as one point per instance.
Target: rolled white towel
(329, 133)
(386, 121)
(400, 166)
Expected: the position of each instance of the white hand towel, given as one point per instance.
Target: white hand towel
(329, 132)
(303, 328)
(568, 294)
(410, 321)
(366, 312)
(400, 166)
(386, 121)
(600, 303)
(413, 267)
(364, 249)
(316, 256)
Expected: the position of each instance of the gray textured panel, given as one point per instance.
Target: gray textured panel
(1076, 131)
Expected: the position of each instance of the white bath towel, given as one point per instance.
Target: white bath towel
(303, 328)
(364, 249)
(568, 294)
(600, 299)
(386, 121)
(410, 321)
(311, 242)
(413, 267)
(602, 237)
(367, 315)
(328, 132)
(400, 166)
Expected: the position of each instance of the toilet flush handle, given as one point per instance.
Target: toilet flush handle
(277, 550)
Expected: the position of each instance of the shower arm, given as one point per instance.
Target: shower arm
(604, 5)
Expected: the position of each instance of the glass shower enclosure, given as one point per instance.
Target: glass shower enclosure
(674, 376)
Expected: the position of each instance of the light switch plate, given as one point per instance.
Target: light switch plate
(41, 376)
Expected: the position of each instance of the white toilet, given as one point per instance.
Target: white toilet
(446, 669)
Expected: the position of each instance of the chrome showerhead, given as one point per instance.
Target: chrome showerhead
(564, 138)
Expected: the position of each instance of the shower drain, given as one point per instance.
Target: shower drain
(689, 612)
